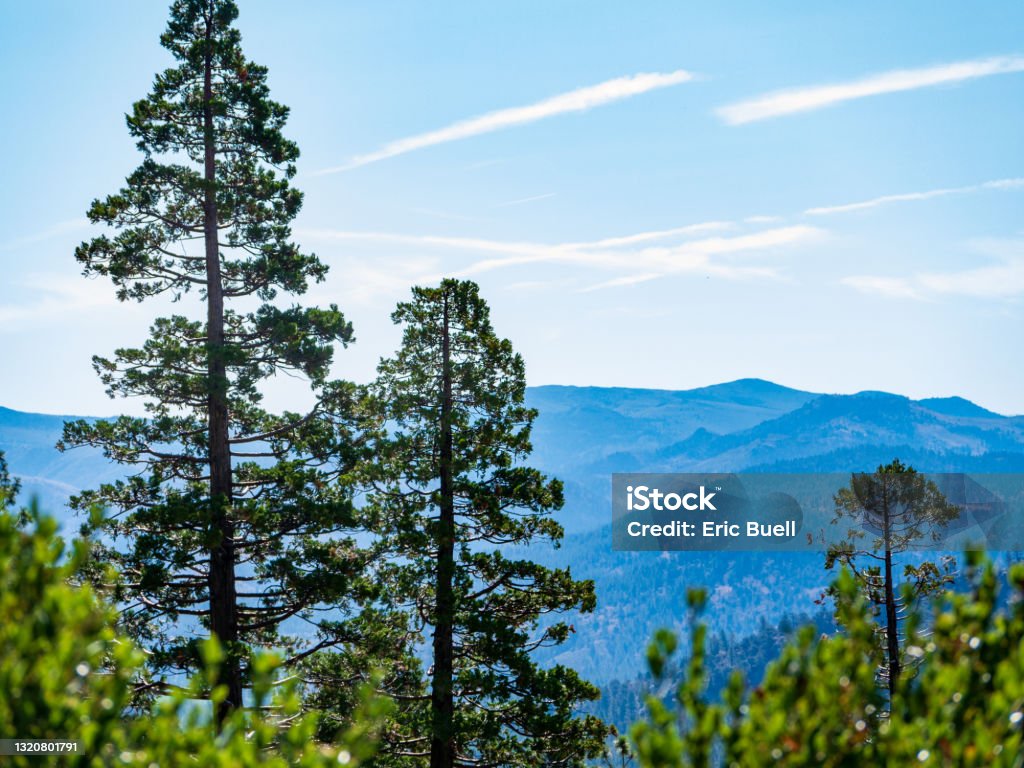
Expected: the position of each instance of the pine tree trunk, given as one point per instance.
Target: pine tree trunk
(442, 744)
(221, 579)
(891, 626)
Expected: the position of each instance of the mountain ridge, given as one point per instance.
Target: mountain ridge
(583, 434)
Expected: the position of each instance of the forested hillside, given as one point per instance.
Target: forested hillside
(285, 531)
(584, 433)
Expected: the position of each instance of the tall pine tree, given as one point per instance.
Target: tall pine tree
(450, 492)
(230, 524)
(903, 508)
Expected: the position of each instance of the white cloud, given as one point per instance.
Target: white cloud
(659, 234)
(996, 281)
(638, 264)
(540, 285)
(56, 230)
(891, 287)
(999, 184)
(805, 99)
(368, 282)
(688, 256)
(766, 238)
(703, 265)
(56, 295)
(579, 100)
(511, 247)
(1003, 279)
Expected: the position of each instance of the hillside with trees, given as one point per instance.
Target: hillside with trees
(417, 570)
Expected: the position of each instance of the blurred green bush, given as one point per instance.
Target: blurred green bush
(961, 703)
(65, 674)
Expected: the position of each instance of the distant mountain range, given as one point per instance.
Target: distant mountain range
(29, 440)
(583, 434)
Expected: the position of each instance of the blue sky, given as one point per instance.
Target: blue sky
(649, 194)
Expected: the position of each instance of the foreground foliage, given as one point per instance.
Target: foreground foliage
(819, 705)
(65, 674)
